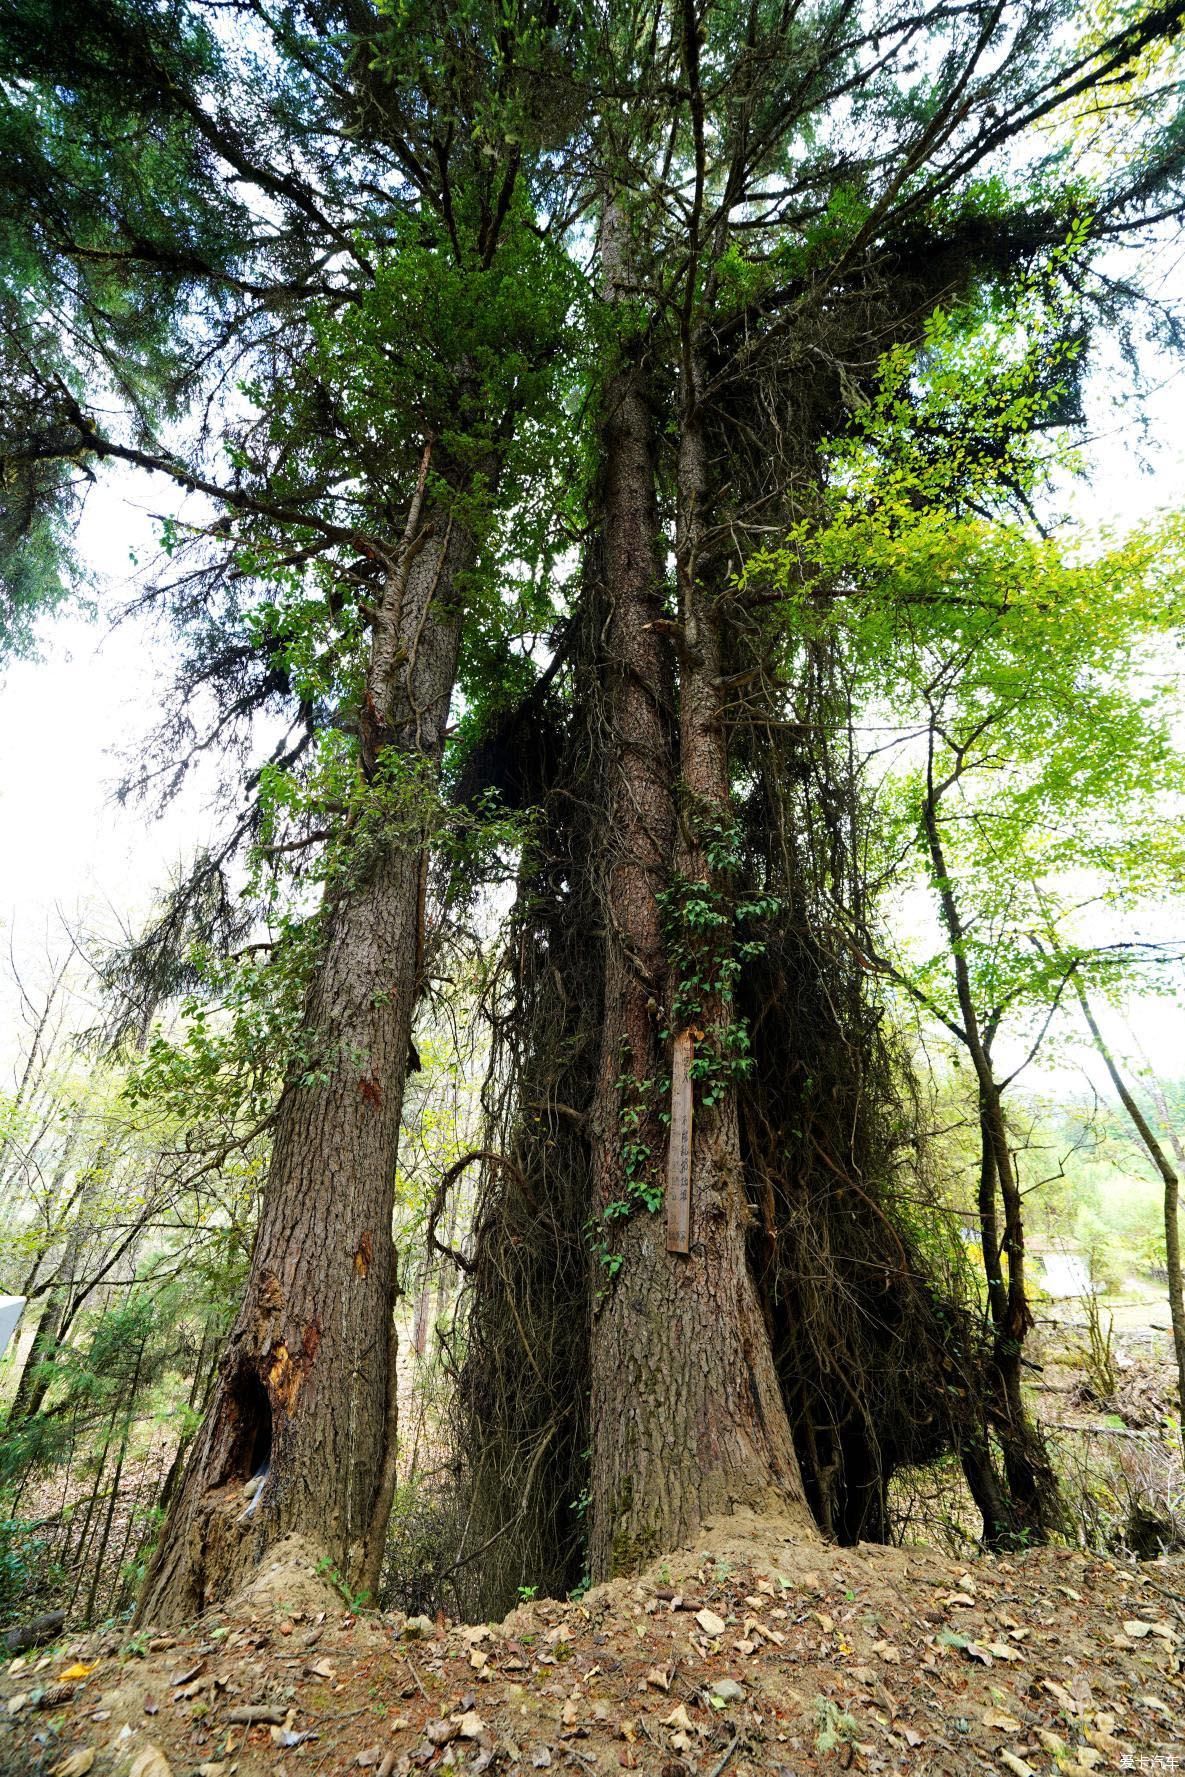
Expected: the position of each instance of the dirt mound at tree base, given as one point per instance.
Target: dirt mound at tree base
(754, 1656)
(292, 1578)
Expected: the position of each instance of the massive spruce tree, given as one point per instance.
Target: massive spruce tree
(292, 265)
(785, 197)
(353, 280)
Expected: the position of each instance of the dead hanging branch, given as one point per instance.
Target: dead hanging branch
(875, 1345)
(520, 1354)
(880, 1353)
(448, 1179)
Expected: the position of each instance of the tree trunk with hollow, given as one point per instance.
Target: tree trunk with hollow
(294, 1439)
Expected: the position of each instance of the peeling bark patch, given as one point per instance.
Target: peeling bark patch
(364, 1255)
(310, 1341)
(284, 1377)
(372, 1092)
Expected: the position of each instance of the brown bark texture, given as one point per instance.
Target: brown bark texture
(294, 1438)
(688, 1420)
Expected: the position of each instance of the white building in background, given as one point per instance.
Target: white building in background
(10, 1314)
(1065, 1269)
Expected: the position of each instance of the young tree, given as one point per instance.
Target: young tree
(1172, 1188)
(1011, 662)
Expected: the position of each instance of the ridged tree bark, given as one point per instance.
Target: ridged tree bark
(687, 1416)
(295, 1436)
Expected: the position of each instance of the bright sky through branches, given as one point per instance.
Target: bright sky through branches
(72, 718)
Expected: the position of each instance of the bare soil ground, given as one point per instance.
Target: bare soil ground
(751, 1654)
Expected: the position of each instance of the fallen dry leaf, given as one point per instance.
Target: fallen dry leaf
(150, 1762)
(709, 1622)
(1007, 1724)
(75, 1764)
(186, 1691)
(1017, 1766)
(78, 1670)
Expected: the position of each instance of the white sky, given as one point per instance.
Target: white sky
(68, 850)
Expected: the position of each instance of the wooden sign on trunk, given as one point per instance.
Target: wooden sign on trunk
(679, 1151)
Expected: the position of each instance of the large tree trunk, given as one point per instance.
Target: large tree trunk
(688, 1419)
(295, 1435)
(633, 1460)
